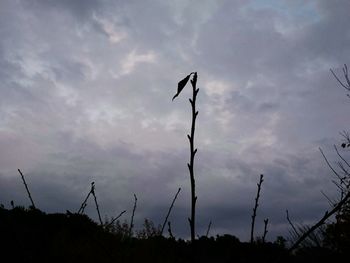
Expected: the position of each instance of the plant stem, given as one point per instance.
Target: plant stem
(255, 208)
(26, 186)
(132, 216)
(291, 224)
(83, 205)
(97, 208)
(193, 152)
(114, 219)
(170, 232)
(266, 221)
(209, 226)
(170, 208)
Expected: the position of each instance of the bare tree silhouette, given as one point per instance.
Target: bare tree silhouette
(342, 176)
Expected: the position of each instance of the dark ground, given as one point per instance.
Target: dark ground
(30, 235)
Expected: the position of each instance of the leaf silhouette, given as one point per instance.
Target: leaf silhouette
(181, 85)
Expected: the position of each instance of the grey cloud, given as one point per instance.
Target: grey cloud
(81, 9)
(69, 116)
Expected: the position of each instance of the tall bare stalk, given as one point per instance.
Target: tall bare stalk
(26, 186)
(255, 208)
(193, 150)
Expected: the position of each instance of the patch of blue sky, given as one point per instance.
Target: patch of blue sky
(300, 9)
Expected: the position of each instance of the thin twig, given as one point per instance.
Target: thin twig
(346, 136)
(345, 72)
(340, 82)
(132, 216)
(208, 229)
(255, 208)
(291, 224)
(83, 205)
(114, 219)
(170, 208)
(329, 165)
(344, 170)
(341, 157)
(97, 208)
(26, 186)
(339, 186)
(169, 231)
(332, 203)
(266, 221)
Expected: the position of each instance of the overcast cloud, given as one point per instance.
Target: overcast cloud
(85, 95)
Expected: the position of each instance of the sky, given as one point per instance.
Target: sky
(86, 89)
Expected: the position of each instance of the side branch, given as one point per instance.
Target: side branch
(346, 84)
(291, 224)
(83, 205)
(114, 219)
(320, 222)
(169, 211)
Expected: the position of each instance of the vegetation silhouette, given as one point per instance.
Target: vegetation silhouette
(193, 150)
(31, 235)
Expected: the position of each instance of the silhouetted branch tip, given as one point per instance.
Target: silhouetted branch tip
(346, 84)
(182, 83)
